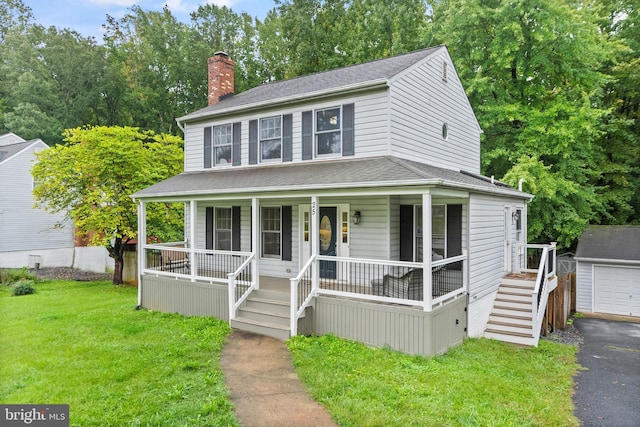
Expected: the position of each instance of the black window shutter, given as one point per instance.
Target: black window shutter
(307, 135)
(286, 233)
(454, 230)
(406, 232)
(209, 228)
(235, 228)
(207, 147)
(287, 138)
(237, 127)
(253, 142)
(348, 144)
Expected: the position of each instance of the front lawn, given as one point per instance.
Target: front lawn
(479, 383)
(84, 344)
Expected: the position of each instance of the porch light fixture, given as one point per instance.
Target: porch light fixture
(356, 218)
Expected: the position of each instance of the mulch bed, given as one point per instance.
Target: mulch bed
(67, 273)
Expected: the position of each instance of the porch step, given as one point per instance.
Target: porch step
(509, 312)
(268, 305)
(271, 295)
(508, 319)
(512, 304)
(508, 327)
(506, 295)
(522, 339)
(261, 315)
(518, 289)
(274, 330)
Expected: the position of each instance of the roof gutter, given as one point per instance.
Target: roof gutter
(354, 88)
(344, 186)
(608, 261)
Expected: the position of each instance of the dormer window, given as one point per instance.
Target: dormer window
(328, 131)
(222, 139)
(271, 138)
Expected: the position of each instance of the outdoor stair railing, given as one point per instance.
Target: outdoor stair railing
(546, 281)
(241, 283)
(303, 289)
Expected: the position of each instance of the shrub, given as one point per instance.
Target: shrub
(9, 276)
(23, 287)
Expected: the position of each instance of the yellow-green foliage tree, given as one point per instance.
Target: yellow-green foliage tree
(92, 176)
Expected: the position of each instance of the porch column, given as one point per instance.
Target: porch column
(255, 244)
(315, 241)
(193, 215)
(142, 243)
(427, 281)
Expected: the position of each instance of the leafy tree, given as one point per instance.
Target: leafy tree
(13, 14)
(92, 176)
(54, 74)
(620, 140)
(533, 70)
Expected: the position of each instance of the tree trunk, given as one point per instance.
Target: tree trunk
(117, 253)
(117, 271)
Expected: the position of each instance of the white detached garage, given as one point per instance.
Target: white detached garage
(608, 270)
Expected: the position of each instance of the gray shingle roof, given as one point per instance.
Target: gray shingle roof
(321, 175)
(332, 80)
(612, 242)
(10, 150)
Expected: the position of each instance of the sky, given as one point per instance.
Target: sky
(87, 16)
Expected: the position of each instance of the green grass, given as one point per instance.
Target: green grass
(479, 383)
(85, 345)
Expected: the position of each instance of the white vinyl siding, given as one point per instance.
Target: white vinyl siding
(370, 128)
(486, 244)
(420, 103)
(21, 226)
(584, 286)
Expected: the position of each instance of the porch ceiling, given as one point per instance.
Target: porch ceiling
(384, 171)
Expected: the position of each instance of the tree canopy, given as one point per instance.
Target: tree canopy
(92, 176)
(554, 83)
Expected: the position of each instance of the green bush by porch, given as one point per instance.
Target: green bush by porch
(85, 345)
(479, 383)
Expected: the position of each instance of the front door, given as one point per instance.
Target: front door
(328, 233)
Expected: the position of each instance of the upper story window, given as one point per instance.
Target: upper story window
(222, 140)
(328, 131)
(271, 138)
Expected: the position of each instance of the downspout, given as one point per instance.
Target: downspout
(180, 127)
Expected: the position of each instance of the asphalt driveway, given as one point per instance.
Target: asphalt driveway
(608, 392)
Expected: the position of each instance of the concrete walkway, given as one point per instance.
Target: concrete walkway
(264, 387)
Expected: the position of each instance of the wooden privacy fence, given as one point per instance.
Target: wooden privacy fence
(562, 301)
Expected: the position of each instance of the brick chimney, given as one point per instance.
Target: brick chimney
(220, 77)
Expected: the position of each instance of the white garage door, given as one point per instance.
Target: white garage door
(617, 290)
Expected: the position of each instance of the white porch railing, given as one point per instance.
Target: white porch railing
(546, 280)
(302, 292)
(377, 280)
(174, 260)
(241, 283)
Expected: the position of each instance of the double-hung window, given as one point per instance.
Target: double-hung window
(271, 232)
(223, 228)
(222, 140)
(328, 131)
(271, 138)
(438, 231)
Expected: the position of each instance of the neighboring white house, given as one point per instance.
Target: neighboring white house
(608, 270)
(29, 236)
(311, 201)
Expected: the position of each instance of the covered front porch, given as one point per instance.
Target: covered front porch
(319, 285)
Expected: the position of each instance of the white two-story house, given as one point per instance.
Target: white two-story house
(347, 202)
